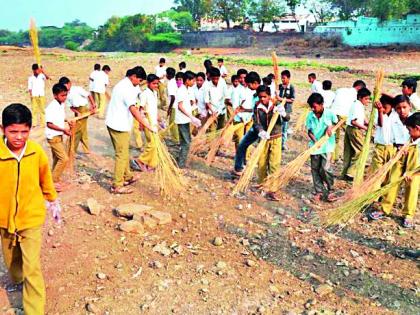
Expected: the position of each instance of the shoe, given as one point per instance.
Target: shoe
(14, 287)
(331, 197)
(272, 196)
(407, 223)
(132, 180)
(376, 215)
(137, 166)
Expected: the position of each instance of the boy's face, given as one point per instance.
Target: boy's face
(311, 79)
(285, 80)
(317, 108)
(264, 98)
(61, 97)
(254, 85)
(387, 108)
(154, 85)
(215, 80)
(406, 90)
(179, 82)
(16, 135)
(403, 109)
(242, 79)
(414, 132)
(199, 81)
(37, 71)
(107, 71)
(220, 63)
(365, 100)
(161, 64)
(235, 83)
(190, 82)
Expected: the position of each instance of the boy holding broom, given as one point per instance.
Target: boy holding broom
(318, 123)
(36, 89)
(215, 97)
(287, 91)
(29, 183)
(409, 161)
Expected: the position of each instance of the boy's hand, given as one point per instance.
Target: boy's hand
(54, 208)
(196, 122)
(379, 106)
(329, 131)
(67, 131)
(264, 135)
(281, 110)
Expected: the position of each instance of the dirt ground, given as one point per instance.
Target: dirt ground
(274, 258)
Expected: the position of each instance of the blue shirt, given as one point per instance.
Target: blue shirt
(318, 128)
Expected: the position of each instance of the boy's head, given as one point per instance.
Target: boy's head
(402, 106)
(409, 86)
(66, 82)
(170, 73)
(162, 62)
(285, 77)
(266, 81)
(136, 75)
(179, 78)
(234, 80)
(363, 95)
(60, 92)
(200, 79)
(387, 103)
(359, 84)
(182, 65)
(241, 73)
(316, 102)
(271, 76)
(36, 69)
(253, 80)
(152, 81)
(326, 85)
(207, 64)
(106, 69)
(16, 125)
(264, 94)
(220, 62)
(214, 74)
(311, 77)
(413, 125)
(97, 67)
(189, 78)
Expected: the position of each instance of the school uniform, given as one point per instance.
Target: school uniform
(415, 102)
(343, 100)
(245, 97)
(270, 158)
(328, 96)
(55, 113)
(36, 86)
(216, 96)
(161, 71)
(149, 104)
(136, 131)
(77, 98)
(98, 90)
(286, 92)
(172, 89)
(119, 122)
(316, 87)
(22, 200)
(353, 139)
(199, 99)
(322, 174)
(406, 163)
(223, 71)
(183, 123)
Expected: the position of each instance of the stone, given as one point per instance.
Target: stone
(160, 216)
(221, 265)
(91, 308)
(217, 241)
(101, 276)
(354, 253)
(147, 221)
(93, 206)
(50, 232)
(155, 264)
(132, 227)
(324, 289)
(240, 207)
(162, 249)
(128, 210)
(250, 263)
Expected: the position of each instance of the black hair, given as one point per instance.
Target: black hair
(64, 80)
(106, 68)
(326, 85)
(252, 77)
(312, 75)
(35, 66)
(286, 73)
(170, 73)
(411, 83)
(179, 75)
(220, 60)
(201, 74)
(58, 88)
(315, 98)
(188, 75)
(263, 88)
(271, 76)
(363, 92)
(16, 114)
(267, 81)
(241, 71)
(359, 83)
(234, 77)
(152, 77)
(162, 60)
(182, 65)
(413, 120)
(138, 72)
(97, 66)
(386, 99)
(214, 72)
(401, 99)
(207, 64)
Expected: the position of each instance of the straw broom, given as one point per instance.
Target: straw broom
(300, 123)
(280, 178)
(33, 35)
(351, 208)
(202, 138)
(360, 169)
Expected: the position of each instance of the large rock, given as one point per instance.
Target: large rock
(160, 216)
(93, 206)
(129, 210)
(132, 227)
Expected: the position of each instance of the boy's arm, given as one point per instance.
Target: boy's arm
(311, 136)
(141, 118)
(171, 104)
(92, 103)
(55, 127)
(354, 123)
(74, 110)
(379, 107)
(45, 178)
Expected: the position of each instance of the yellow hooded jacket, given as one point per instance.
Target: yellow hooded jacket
(24, 186)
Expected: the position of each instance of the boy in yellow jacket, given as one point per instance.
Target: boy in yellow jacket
(27, 182)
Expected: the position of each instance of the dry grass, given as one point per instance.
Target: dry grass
(33, 35)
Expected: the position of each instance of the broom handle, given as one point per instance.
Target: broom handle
(83, 116)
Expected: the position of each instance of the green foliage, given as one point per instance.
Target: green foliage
(265, 11)
(229, 10)
(389, 9)
(183, 20)
(71, 45)
(197, 8)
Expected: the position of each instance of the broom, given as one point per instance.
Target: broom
(33, 35)
(351, 208)
(280, 178)
(202, 138)
(300, 122)
(361, 162)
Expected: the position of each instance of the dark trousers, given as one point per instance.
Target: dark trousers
(322, 174)
(250, 137)
(184, 143)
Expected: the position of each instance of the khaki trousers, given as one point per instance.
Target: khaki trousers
(270, 159)
(121, 143)
(38, 110)
(60, 157)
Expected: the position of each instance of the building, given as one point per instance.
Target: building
(288, 23)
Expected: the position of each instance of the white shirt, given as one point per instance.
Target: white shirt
(357, 112)
(77, 97)
(236, 95)
(92, 78)
(100, 81)
(316, 87)
(400, 134)
(199, 98)
(223, 70)
(36, 84)
(415, 102)
(343, 100)
(191, 94)
(17, 157)
(383, 135)
(328, 98)
(273, 88)
(182, 96)
(172, 88)
(249, 103)
(160, 72)
(216, 95)
(183, 70)
(149, 102)
(124, 95)
(55, 113)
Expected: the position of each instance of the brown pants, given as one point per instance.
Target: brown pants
(60, 157)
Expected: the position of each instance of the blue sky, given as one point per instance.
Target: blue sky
(15, 14)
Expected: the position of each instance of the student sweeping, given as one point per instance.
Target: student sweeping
(23, 210)
(215, 96)
(270, 159)
(160, 71)
(98, 89)
(172, 88)
(354, 136)
(287, 91)
(36, 89)
(319, 123)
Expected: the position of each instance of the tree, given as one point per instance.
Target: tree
(348, 9)
(265, 11)
(198, 8)
(229, 10)
(389, 9)
(183, 20)
(322, 10)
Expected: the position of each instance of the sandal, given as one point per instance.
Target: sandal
(272, 196)
(331, 197)
(317, 198)
(376, 215)
(137, 166)
(132, 180)
(121, 190)
(407, 223)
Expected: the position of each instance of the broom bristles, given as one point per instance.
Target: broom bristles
(33, 35)
(300, 123)
(202, 139)
(279, 179)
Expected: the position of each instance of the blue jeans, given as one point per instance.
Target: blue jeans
(250, 137)
(284, 127)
